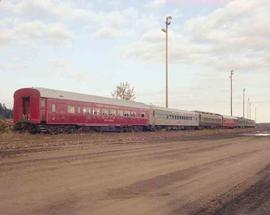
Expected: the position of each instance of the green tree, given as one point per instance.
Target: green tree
(5, 112)
(124, 91)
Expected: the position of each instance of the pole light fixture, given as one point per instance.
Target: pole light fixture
(244, 94)
(231, 77)
(165, 30)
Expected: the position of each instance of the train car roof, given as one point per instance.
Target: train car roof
(229, 117)
(203, 112)
(243, 118)
(173, 110)
(60, 94)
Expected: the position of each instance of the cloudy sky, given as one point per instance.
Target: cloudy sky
(89, 46)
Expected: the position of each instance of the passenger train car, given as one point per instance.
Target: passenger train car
(47, 110)
(173, 119)
(246, 123)
(209, 120)
(230, 122)
(41, 106)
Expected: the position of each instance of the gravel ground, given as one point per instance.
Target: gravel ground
(177, 172)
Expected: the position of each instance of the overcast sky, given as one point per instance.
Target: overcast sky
(89, 46)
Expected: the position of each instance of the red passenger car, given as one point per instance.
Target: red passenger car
(230, 122)
(41, 106)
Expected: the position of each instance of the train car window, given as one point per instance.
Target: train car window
(53, 108)
(112, 112)
(96, 111)
(142, 115)
(120, 113)
(70, 109)
(42, 102)
(84, 110)
(78, 109)
(105, 112)
(126, 113)
(89, 111)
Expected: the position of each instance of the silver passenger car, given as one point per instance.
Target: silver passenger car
(209, 120)
(173, 118)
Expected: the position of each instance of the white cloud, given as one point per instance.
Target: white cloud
(156, 3)
(107, 32)
(235, 35)
(59, 62)
(36, 9)
(66, 69)
(23, 33)
(13, 66)
(98, 22)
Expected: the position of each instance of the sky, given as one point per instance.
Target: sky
(90, 46)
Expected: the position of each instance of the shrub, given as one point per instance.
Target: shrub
(3, 126)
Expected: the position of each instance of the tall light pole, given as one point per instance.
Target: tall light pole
(244, 91)
(167, 23)
(231, 77)
(255, 114)
(248, 108)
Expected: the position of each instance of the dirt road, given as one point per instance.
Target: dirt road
(136, 173)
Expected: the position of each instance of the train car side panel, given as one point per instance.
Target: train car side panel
(230, 122)
(94, 114)
(172, 117)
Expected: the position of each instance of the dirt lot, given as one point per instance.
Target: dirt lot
(178, 172)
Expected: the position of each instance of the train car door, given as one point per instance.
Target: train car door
(26, 107)
(43, 109)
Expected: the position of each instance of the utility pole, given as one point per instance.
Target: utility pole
(231, 77)
(167, 23)
(255, 114)
(248, 108)
(244, 91)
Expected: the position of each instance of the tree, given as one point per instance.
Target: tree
(5, 112)
(124, 91)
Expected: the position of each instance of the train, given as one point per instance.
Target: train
(43, 110)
